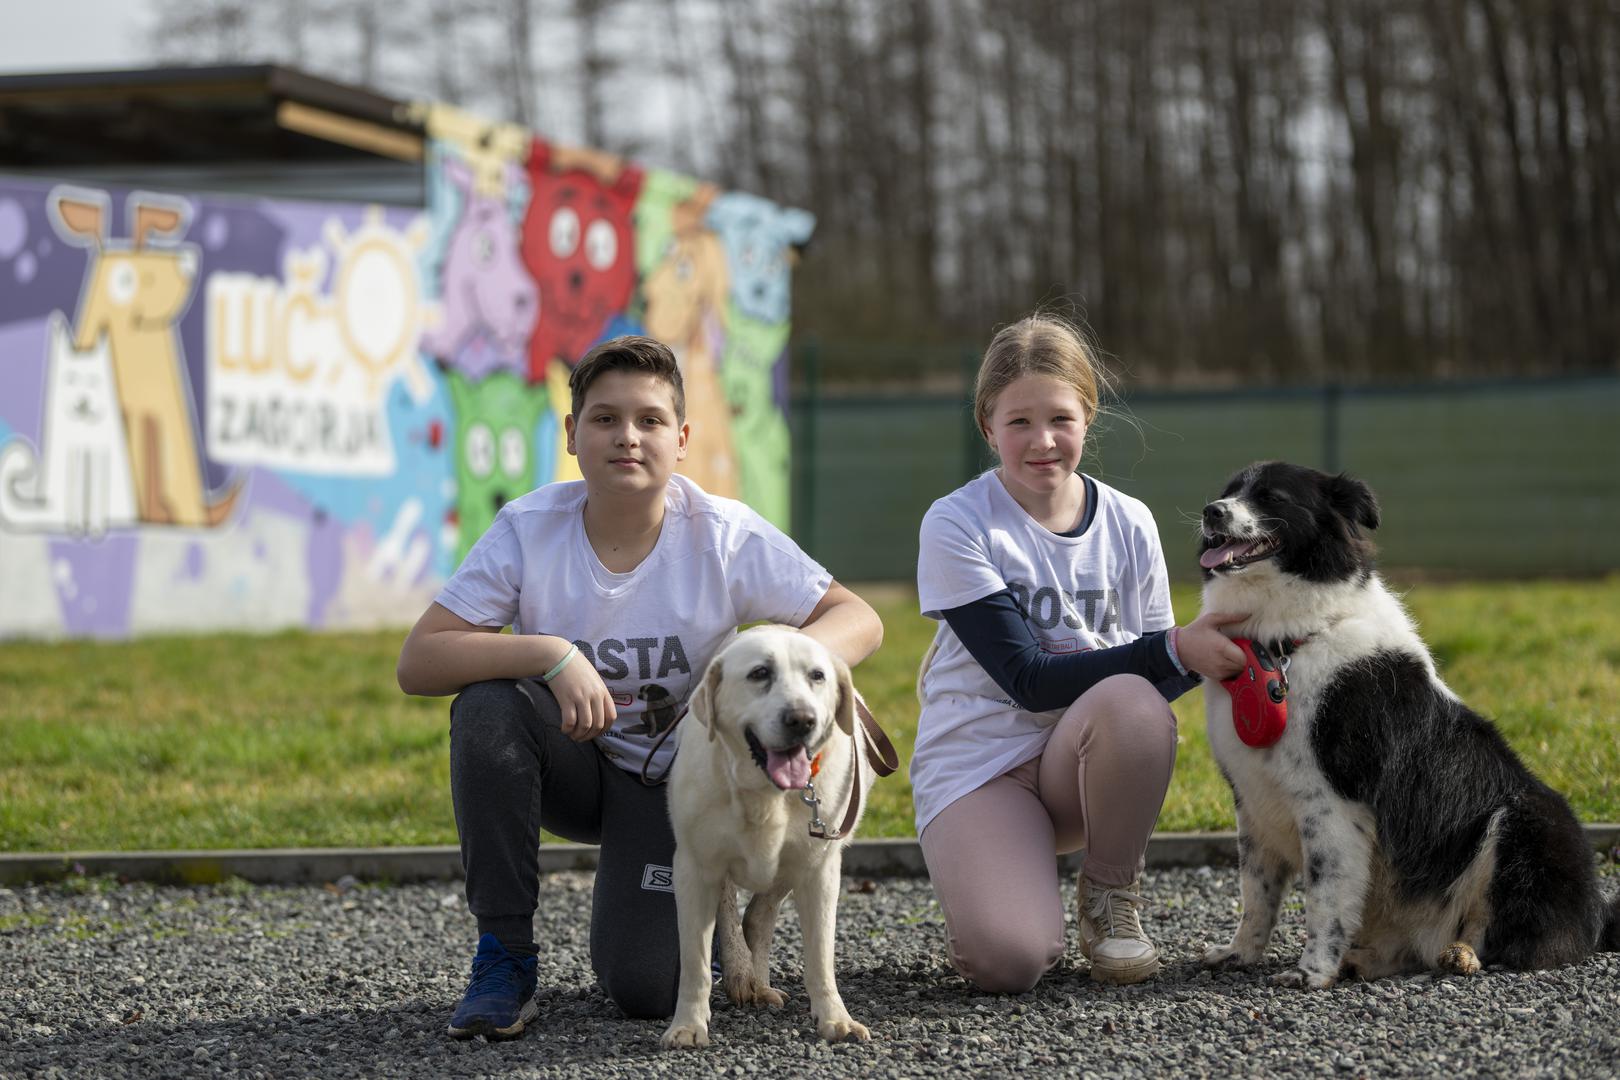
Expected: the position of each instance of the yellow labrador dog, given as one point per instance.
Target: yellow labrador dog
(775, 723)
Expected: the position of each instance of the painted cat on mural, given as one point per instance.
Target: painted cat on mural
(79, 482)
(579, 244)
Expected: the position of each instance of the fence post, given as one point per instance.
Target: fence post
(1332, 393)
(970, 446)
(810, 354)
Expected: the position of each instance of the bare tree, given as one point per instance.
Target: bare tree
(1299, 190)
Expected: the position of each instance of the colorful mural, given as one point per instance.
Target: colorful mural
(254, 413)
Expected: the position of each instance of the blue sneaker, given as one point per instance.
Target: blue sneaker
(500, 994)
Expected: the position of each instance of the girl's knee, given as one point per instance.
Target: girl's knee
(1004, 964)
(1134, 695)
(1129, 705)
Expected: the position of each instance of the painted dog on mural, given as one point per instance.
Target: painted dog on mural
(132, 299)
(686, 300)
(488, 299)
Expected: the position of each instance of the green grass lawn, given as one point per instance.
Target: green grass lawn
(302, 739)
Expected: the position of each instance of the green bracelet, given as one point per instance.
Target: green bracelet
(573, 650)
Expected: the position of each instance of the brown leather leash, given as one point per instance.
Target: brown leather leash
(871, 743)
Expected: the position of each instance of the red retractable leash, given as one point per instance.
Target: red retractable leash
(1259, 694)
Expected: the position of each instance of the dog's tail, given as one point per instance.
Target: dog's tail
(1609, 940)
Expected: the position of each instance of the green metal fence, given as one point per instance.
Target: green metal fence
(1517, 478)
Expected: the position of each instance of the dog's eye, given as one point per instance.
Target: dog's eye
(817, 675)
(760, 674)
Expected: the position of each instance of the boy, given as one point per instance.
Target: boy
(619, 588)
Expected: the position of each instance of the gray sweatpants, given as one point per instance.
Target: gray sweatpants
(512, 773)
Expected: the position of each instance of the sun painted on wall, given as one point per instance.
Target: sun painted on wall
(254, 413)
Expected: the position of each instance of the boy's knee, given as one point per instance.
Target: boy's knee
(1004, 964)
(491, 698)
(497, 705)
(640, 992)
(492, 729)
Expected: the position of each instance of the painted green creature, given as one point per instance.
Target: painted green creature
(495, 423)
(759, 428)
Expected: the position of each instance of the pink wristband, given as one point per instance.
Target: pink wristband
(1173, 645)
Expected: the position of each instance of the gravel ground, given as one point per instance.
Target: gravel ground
(109, 980)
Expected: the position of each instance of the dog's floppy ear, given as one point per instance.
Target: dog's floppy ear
(844, 713)
(701, 703)
(1354, 499)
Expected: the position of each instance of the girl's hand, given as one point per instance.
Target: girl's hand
(587, 707)
(1206, 649)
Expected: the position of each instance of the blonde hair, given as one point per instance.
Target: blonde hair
(1038, 344)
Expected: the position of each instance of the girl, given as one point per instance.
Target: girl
(1045, 725)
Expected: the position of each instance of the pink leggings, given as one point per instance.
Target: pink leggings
(1098, 785)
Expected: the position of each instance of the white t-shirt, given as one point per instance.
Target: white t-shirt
(1108, 586)
(651, 632)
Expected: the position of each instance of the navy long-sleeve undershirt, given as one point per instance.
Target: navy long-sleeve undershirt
(994, 632)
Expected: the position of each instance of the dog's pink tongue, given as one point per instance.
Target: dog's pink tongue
(788, 768)
(1214, 557)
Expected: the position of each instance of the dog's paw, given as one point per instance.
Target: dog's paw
(1459, 958)
(1224, 956)
(1297, 978)
(842, 1030)
(747, 990)
(685, 1037)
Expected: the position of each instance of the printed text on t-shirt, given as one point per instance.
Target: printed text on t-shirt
(1048, 606)
(612, 657)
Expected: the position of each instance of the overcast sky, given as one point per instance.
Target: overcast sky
(66, 35)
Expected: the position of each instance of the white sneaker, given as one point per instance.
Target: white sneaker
(1111, 935)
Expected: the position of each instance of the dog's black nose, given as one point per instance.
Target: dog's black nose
(798, 721)
(1216, 514)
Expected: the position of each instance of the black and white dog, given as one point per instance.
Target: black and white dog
(1423, 841)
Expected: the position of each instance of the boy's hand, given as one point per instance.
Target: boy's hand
(1206, 649)
(587, 707)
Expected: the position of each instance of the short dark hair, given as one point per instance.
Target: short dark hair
(633, 353)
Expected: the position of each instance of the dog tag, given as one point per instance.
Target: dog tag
(1259, 696)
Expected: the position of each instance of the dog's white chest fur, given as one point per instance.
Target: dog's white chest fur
(767, 837)
(1335, 626)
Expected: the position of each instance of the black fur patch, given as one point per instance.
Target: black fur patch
(1434, 773)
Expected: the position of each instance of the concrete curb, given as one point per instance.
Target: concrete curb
(290, 866)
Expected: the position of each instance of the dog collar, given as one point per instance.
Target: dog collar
(1286, 646)
(815, 766)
